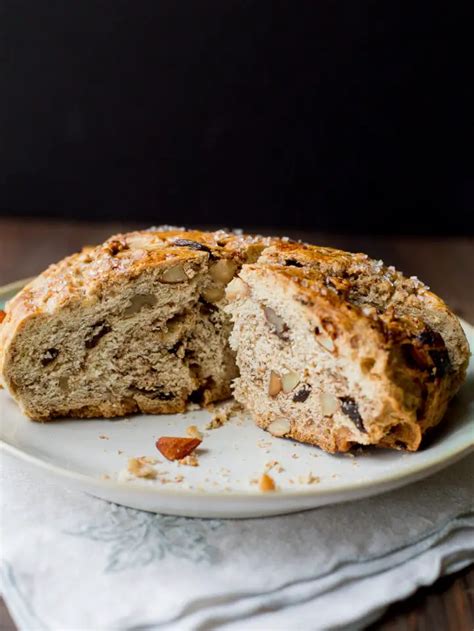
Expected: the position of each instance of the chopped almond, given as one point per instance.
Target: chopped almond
(275, 384)
(176, 448)
(266, 483)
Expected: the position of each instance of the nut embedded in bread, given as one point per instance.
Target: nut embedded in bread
(323, 346)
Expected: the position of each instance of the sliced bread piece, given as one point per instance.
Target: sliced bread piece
(336, 349)
(133, 325)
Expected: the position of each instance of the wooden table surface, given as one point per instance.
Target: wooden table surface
(444, 263)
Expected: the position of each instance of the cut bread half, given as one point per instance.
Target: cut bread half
(135, 325)
(336, 349)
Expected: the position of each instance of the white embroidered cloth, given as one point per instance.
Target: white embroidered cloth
(73, 562)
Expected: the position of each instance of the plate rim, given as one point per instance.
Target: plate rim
(438, 462)
(430, 468)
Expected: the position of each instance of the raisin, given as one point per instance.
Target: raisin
(114, 247)
(430, 337)
(163, 396)
(415, 357)
(98, 331)
(351, 409)
(49, 356)
(441, 361)
(193, 245)
(159, 394)
(293, 263)
(302, 394)
(175, 348)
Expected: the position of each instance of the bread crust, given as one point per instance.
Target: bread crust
(399, 323)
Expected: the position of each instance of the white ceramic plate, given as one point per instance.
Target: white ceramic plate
(92, 456)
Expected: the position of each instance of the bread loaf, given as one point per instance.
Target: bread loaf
(323, 346)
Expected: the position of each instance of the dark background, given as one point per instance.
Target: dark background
(333, 115)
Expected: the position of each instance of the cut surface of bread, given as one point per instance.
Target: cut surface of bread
(321, 346)
(134, 325)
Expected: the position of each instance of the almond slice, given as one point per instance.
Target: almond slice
(237, 289)
(326, 342)
(279, 427)
(176, 448)
(289, 381)
(174, 274)
(329, 403)
(274, 385)
(223, 271)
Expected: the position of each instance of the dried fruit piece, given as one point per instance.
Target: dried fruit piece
(351, 409)
(289, 381)
(324, 341)
(279, 427)
(97, 332)
(3, 315)
(49, 356)
(430, 337)
(223, 271)
(237, 289)
(274, 385)
(329, 403)
(416, 357)
(193, 245)
(114, 247)
(266, 483)
(174, 274)
(293, 263)
(176, 448)
(277, 325)
(302, 394)
(441, 361)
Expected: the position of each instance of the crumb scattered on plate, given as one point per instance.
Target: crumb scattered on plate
(222, 414)
(274, 464)
(190, 461)
(193, 432)
(309, 478)
(141, 467)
